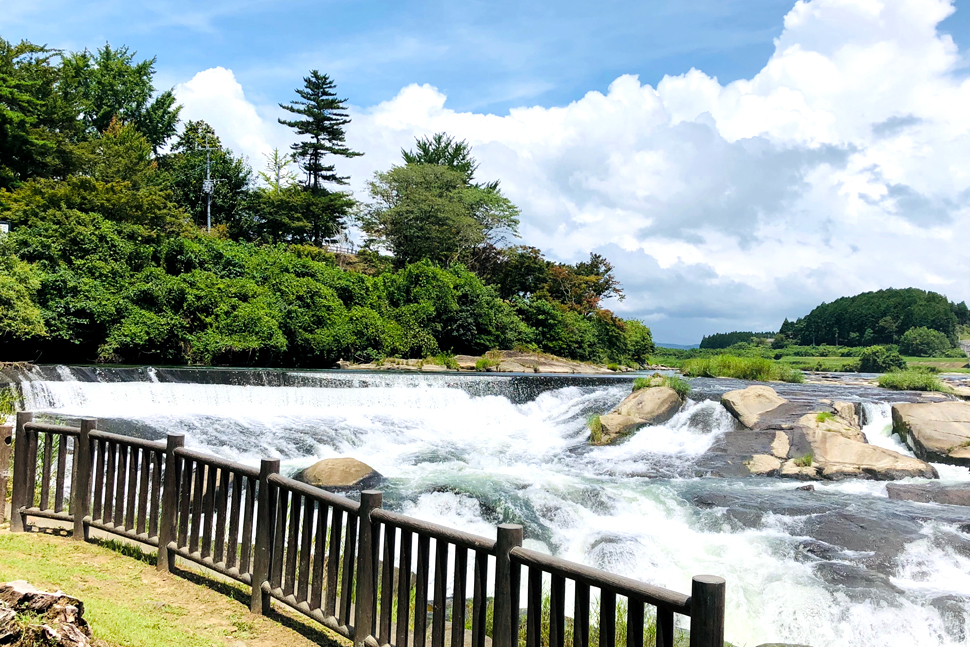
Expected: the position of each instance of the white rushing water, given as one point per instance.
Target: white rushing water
(474, 461)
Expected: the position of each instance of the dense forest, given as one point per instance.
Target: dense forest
(111, 258)
(881, 317)
(725, 339)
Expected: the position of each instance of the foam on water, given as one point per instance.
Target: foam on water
(474, 461)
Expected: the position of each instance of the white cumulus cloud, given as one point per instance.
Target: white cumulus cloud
(842, 166)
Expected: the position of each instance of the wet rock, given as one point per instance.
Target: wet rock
(750, 404)
(937, 431)
(833, 425)
(807, 488)
(782, 645)
(953, 610)
(930, 493)
(851, 412)
(340, 475)
(614, 426)
(882, 536)
(650, 406)
(838, 457)
(763, 465)
(818, 550)
(859, 582)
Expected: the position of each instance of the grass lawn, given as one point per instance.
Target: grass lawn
(127, 602)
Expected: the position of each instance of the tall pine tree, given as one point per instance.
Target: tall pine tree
(319, 213)
(324, 118)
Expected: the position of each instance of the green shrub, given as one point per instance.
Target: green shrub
(912, 380)
(595, 428)
(824, 416)
(924, 342)
(757, 369)
(8, 401)
(613, 367)
(680, 385)
(443, 359)
(849, 367)
(879, 359)
(485, 363)
(805, 461)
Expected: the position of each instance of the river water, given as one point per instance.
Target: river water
(842, 565)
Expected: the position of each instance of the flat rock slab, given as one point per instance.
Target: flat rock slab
(930, 493)
(749, 404)
(938, 431)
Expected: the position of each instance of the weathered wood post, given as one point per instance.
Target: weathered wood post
(265, 524)
(81, 482)
(170, 502)
(18, 497)
(707, 611)
(509, 537)
(366, 602)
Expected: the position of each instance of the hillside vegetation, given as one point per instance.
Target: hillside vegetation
(111, 258)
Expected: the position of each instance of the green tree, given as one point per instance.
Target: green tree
(20, 316)
(425, 211)
(443, 150)
(109, 84)
(120, 154)
(924, 342)
(324, 118)
(183, 172)
(277, 174)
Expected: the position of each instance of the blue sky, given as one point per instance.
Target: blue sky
(739, 161)
(486, 56)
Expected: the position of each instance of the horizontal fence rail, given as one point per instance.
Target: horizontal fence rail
(376, 577)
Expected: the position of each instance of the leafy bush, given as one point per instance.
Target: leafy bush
(758, 369)
(924, 342)
(485, 363)
(879, 359)
(912, 380)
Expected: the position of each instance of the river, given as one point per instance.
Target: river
(841, 565)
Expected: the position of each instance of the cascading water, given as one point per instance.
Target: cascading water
(463, 455)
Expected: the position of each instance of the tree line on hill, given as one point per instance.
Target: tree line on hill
(109, 257)
(914, 322)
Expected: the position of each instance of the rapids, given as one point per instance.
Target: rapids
(842, 565)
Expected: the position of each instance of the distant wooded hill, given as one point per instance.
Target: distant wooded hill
(881, 317)
(725, 339)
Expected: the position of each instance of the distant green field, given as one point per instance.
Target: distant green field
(943, 364)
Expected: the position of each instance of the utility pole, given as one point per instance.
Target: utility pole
(208, 186)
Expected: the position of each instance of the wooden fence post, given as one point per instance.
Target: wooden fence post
(265, 523)
(366, 567)
(707, 611)
(81, 480)
(18, 497)
(170, 502)
(509, 537)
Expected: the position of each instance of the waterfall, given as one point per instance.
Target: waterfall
(474, 451)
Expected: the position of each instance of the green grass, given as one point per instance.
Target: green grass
(442, 359)
(825, 416)
(912, 380)
(486, 363)
(758, 369)
(805, 461)
(128, 603)
(595, 428)
(678, 384)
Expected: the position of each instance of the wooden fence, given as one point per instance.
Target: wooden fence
(378, 578)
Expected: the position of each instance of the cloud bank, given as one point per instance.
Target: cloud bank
(842, 166)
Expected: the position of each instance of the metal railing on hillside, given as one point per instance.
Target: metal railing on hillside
(376, 577)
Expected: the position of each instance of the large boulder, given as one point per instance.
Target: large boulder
(650, 406)
(936, 431)
(653, 406)
(930, 493)
(340, 475)
(748, 405)
(836, 457)
(832, 425)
